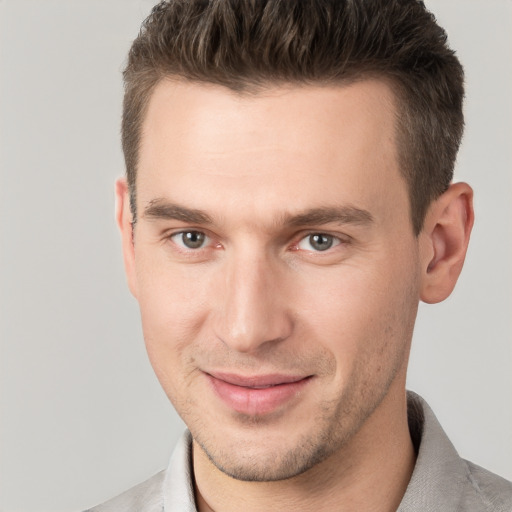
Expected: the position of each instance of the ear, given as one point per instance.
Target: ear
(444, 242)
(124, 222)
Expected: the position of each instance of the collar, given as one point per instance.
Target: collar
(439, 473)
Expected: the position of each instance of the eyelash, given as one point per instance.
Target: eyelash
(335, 241)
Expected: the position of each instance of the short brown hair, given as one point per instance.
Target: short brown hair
(247, 45)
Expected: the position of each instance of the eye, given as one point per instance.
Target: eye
(318, 242)
(190, 239)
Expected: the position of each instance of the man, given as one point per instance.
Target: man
(288, 202)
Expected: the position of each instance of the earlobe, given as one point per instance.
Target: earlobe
(124, 222)
(445, 238)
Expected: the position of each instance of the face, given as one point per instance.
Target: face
(275, 267)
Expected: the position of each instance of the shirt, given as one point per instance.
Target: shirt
(441, 480)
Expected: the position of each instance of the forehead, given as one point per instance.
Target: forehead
(284, 147)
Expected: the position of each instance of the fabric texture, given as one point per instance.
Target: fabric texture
(441, 480)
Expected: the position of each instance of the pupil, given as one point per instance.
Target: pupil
(320, 242)
(193, 239)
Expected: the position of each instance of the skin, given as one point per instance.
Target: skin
(259, 298)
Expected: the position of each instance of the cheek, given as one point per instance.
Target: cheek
(173, 306)
(170, 295)
(338, 314)
(360, 314)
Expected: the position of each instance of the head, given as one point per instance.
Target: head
(287, 205)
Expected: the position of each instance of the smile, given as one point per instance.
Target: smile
(257, 395)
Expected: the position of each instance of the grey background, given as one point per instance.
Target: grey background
(81, 415)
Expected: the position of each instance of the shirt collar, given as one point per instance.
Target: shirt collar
(439, 473)
(178, 487)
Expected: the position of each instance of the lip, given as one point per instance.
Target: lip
(258, 394)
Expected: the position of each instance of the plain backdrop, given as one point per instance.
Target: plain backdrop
(82, 416)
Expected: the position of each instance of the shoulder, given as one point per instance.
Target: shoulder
(144, 497)
(487, 490)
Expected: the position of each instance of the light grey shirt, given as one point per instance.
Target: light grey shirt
(441, 480)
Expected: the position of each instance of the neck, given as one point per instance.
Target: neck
(370, 473)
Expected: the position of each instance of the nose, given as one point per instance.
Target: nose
(253, 310)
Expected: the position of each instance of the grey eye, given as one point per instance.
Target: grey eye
(190, 239)
(318, 242)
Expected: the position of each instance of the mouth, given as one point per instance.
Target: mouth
(257, 395)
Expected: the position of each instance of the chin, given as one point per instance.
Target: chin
(266, 462)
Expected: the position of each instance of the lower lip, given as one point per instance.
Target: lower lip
(253, 401)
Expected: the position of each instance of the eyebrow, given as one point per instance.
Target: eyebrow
(328, 215)
(163, 209)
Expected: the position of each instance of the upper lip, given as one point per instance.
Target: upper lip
(257, 381)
